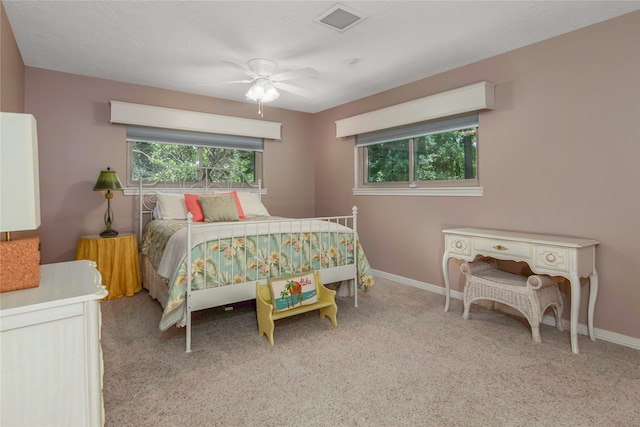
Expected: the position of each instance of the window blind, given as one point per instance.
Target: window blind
(199, 139)
(417, 129)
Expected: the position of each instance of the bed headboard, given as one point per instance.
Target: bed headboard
(190, 179)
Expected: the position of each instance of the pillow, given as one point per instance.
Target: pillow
(293, 291)
(251, 204)
(171, 206)
(193, 205)
(219, 207)
(156, 212)
(238, 204)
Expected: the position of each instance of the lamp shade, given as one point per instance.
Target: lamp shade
(19, 173)
(108, 180)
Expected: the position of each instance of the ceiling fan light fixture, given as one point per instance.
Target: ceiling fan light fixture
(262, 91)
(270, 94)
(255, 92)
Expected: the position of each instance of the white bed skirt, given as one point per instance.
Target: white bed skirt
(157, 287)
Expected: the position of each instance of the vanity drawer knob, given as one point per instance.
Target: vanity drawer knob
(500, 248)
(550, 257)
(458, 244)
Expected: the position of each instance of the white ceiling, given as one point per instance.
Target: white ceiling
(181, 44)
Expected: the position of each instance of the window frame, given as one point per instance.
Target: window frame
(460, 187)
(166, 136)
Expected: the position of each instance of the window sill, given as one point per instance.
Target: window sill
(134, 191)
(434, 191)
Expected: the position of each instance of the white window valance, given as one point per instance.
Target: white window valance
(169, 118)
(475, 97)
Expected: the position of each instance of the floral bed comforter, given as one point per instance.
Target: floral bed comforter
(264, 249)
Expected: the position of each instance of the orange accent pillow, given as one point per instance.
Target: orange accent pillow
(194, 206)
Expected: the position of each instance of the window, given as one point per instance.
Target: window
(153, 151)
(437, 153)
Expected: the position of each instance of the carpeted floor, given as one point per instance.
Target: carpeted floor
(396, 360)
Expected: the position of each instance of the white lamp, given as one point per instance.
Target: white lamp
(19, 201)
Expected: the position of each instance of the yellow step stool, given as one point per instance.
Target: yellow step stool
(266, 315)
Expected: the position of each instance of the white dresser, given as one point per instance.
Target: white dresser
(51, 358)
(568, 257)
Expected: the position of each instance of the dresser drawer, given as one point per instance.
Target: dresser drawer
(458, 245)
(552, 258)
(503, 248)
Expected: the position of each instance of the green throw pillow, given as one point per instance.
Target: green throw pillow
(219, 207)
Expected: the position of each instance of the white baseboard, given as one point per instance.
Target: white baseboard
(602, 334)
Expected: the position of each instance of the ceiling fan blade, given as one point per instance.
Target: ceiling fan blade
(302, 73)
(237, 66)
(224, 83)
(294, 89)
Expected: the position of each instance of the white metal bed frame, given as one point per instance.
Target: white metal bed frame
(224, 295)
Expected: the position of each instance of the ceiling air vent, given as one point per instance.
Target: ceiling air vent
(340, 18)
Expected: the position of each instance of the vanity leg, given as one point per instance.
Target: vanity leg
(574, 281)
(445, 272)
(593, 293)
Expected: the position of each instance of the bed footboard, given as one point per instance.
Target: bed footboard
(224, 266)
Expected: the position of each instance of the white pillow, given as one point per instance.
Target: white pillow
(251, 204)
(172, 206)
(156, 212)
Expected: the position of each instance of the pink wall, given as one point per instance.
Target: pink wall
(559, 155)
(76, 141)
(11, 69)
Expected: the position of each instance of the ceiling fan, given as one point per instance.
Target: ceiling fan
(266, 84)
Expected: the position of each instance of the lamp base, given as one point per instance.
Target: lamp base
(19, 264)
(109, 233)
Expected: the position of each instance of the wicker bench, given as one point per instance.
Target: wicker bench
(531, 296)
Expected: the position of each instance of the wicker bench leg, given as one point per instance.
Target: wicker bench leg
(535, 333)
(466, 303)
(558, 314)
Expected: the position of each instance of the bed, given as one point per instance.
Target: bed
(234, 243)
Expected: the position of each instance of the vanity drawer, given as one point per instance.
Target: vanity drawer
(503, 248)
(552, 258)
(458, 245)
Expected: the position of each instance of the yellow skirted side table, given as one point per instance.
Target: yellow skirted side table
(116, 259)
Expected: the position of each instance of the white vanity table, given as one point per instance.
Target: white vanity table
(568, 257)
(51, 358)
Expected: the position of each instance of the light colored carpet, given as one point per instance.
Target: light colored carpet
(396, 360)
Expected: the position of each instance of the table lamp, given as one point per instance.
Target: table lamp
(19, 201)
(108, 181)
